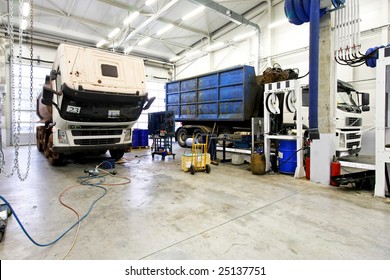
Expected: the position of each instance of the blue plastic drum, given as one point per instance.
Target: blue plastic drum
(287, 156)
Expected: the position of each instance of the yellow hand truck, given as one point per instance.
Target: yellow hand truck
(199, 157)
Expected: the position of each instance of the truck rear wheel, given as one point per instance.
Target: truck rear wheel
(182, 137)
(117, 154)
(198, 135)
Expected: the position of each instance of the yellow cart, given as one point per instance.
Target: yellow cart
(199, 157)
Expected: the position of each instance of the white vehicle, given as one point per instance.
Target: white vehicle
(349, 117)
(97, 98)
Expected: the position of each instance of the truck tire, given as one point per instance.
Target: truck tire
(182, 137)
(40, 134)
(117, 154)
(198, 135)
(54, 158)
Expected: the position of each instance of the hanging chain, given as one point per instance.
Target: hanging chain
(17, 108)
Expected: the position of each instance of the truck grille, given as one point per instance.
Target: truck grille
(89, 142)
(352, 136)
(350, 145)
(88, 132)
(353, 122)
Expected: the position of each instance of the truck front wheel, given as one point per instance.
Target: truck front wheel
(117, 154)
(182, 137)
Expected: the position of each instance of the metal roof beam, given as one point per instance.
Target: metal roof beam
(226, 13)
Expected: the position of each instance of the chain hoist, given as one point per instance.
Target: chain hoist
(17, 102)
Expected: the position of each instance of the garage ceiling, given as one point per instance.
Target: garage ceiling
(88, 22)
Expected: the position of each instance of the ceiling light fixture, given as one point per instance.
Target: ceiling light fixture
(193, 13)
(26, 9)
(149, 2)
(215, 46)
(101, 43)
(175, 58)
(165, 29)
(130, 18)
(114, 32)
(23, 24)
(244, 36)
(193, 53)
(144, 41)
(128, 49)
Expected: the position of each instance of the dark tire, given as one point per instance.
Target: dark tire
(117, 154)
(182, 136)
(39, 137)
(198, 135)
(54, 158)
(192, 169)
(208, 168)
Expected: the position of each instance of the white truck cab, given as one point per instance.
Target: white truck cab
(90, 102)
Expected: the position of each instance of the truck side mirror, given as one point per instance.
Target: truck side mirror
(365, 108)
(47, 95)
(150, 101)
(53, 75)
(365, 99)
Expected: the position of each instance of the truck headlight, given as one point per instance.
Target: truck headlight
(342, 140)
(62, 137)
(128, 135)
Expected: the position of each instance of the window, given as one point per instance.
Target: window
(109, 70)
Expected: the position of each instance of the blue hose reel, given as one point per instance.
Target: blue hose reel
(372, 55)
(298, 11)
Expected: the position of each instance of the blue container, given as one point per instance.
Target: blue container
(224, 95)
(135, 138)
(287, 156)
(143, 138)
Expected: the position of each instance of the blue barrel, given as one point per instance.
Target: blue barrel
(287, 156)
(144, 138)
(135, 138)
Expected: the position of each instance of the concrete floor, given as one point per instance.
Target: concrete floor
(165, 213)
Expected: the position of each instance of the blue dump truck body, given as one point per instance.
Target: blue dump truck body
(215, 102)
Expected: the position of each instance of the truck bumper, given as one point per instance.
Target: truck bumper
(74, 149)
(341, 153)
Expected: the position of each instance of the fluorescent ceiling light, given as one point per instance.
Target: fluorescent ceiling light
(114, 32)
(193, 13)
(26, 9)
(128, 49)
(277, 23)
(165, 29)
(131, 17)
(144, 41)
(193, 53)
(101, 43)
(149, 2)
(215, 46)
(244, 36)
(175, 58)
(23, 24)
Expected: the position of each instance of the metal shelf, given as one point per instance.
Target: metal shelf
(285, 86)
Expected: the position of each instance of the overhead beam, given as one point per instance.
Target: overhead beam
(149, 20)
(196, 31)
(226, 13)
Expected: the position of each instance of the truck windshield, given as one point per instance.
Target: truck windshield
(346, 103)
